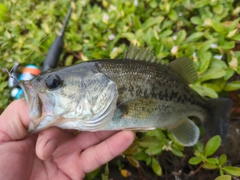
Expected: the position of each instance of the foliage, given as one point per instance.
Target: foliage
(203, 156)
(205, 31)
(150, 146)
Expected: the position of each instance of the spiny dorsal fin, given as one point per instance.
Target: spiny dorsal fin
(185, 68)
(140, 54)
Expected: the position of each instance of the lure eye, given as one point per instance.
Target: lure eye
(53, 82)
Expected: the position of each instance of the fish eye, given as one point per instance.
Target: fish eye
(53, 82)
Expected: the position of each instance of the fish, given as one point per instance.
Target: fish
(135, 92)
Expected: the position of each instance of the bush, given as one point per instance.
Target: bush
(206, 31)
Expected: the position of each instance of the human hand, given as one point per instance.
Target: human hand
(53, 153)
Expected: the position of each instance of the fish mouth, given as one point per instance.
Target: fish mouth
(34, 104)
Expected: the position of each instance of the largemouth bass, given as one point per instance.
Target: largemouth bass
(130, 93)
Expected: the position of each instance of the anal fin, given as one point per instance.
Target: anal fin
(187, 133)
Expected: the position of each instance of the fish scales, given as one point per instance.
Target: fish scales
(148, 80)
(139, 79)
(130, 93)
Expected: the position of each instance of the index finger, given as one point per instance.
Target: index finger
(97, 155)
(14, 121)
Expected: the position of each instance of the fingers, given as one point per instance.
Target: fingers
(14, 121)
(86, 139)
(59, 142)
(49, 140)
(81, 141)
(100, 154)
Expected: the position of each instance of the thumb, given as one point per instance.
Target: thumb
(14, 121)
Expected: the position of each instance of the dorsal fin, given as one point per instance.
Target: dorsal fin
(140, 54)
(185, 68)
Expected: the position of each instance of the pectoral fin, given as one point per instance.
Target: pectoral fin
(187, 133)
(140, 108)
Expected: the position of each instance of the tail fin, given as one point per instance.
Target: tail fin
(217, 124)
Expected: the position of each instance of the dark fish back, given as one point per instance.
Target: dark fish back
(140, 79)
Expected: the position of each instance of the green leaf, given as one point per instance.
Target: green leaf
(69, 60)
(133, 161)
(137, 22)
(154, 150)
(173, 15)
(232, 86)
(201, 3)
(148, 141)
(205, 61)
(3, 11)
(153, 4)
(148, 160)
(222, 159)
(219, 27)
(130, 36)
(115, 52)
(178, 147)
(181, 36)
(149, 35)
(93, 174)
(199, 146)
(212, 73)
(232, 33)
(76, 47)
(151, 22)
(207, 165)
(3, 8)
(3, 85)
(132, 149)
(140, 156)
(204, 47)
(218, 8)
(212, 145)
(219, 64)
(204, 90)
(224, 177)
(177, 152)
(194, 37)
(158, 133)
(168, 42)
(221, 172)
(236, 37)
(217, 84)
(165, 33)
(228, 45)
(212, 161)
(229, 73)
(235, 171)
(234, 24)
(156, 167)
(195, 160)
(196, 20)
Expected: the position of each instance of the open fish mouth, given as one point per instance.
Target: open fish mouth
(33, 102)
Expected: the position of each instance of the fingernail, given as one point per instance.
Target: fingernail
(49, 148)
